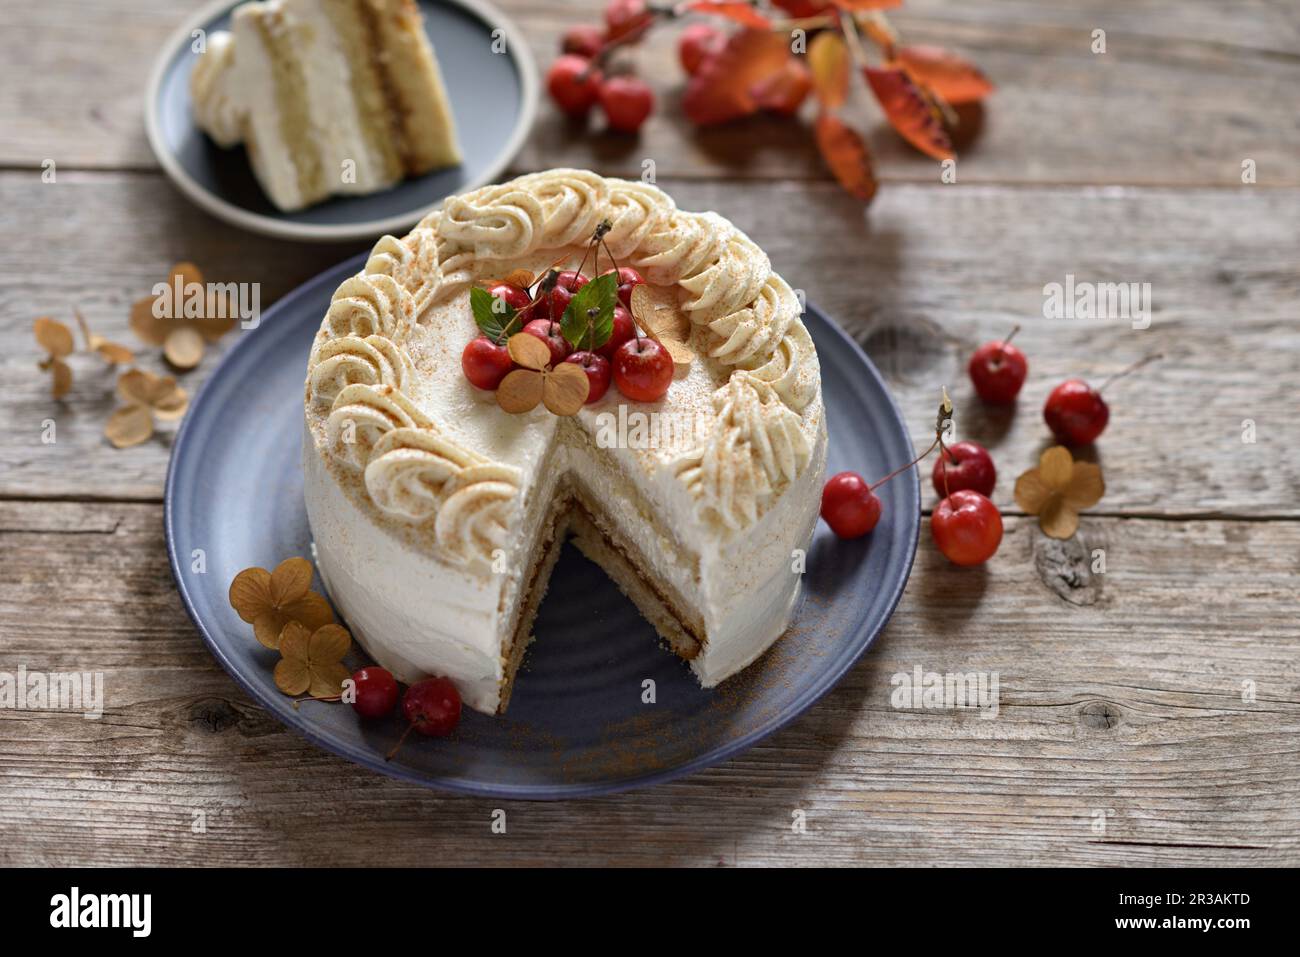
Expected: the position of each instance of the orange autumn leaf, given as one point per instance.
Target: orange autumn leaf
(847, 156)
(736, 12)
(724, 88)
(909, 110)
(950, 77)
(828, 58)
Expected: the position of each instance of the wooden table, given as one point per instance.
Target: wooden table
(1148, 714)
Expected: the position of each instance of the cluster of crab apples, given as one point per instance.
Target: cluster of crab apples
(577, 81)
(431, 706)
(966, 525)
(638, 365)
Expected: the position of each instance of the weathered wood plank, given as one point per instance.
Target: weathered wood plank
(1062, 114)
(1124, 702)
(921, 280)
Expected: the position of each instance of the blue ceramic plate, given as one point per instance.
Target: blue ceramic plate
(493, 97)
(576, 725)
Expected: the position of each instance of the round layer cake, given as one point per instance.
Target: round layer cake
(437, 515)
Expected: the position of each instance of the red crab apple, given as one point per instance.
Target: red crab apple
(432, 705)
(626, 17)
(627, 102)
(628, 279)
(698, 42)
(1076, 413)
(584, 40)
(967, 527)
(376, 692)
(432, 708)
(574, 84)
(998, 370)
(513, 296)
(485, 363)
(566, 284)
(643, 370)
(965, 465)
(623, 330)
(849, 506)
(548, 331)
(598, 373)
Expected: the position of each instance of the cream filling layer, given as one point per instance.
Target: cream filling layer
(255, 88)
(335, 121)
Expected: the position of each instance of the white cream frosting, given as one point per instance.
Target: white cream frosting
(403, 454)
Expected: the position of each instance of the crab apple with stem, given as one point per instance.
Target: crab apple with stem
(964, 465)
(485, 363)
(584, 40)
(627, 20)
(698, 42)
(574, 84)
(849, 506)
(643, 369)
(515, 297)
(376, 692)
(432, 706)
(628, 279)
(1076, 413)
(966, 527)
(622, 329)
(626, 102)
(598, 371)
(567, 283)
(998, 370)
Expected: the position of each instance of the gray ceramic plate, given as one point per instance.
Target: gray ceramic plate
(576, 724)
(493, 96)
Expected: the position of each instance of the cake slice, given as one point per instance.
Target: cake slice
(329, 96)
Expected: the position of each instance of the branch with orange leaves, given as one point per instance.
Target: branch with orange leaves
(758, 68)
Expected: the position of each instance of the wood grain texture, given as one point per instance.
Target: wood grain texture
(1129, 706)
(922, 279)
(1141, 113)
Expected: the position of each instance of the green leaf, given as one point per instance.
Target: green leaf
(494, 316)
(584, 330)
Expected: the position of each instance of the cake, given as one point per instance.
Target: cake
(437, 516)
(328, 96)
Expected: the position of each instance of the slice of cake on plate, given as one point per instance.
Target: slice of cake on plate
(437, 515)
(329, 96)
